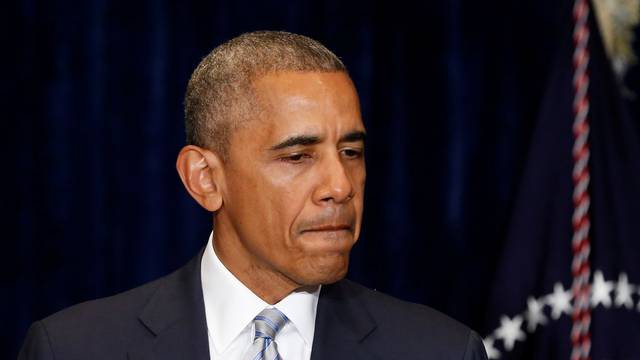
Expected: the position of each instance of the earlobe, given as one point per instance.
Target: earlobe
(201, 173)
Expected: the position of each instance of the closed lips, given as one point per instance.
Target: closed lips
(329, 228)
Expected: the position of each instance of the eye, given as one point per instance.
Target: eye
(295, 158)
(351, 153)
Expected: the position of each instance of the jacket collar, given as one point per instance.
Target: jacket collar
(342, 323)
(175, 317)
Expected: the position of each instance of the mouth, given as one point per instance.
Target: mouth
(329, 228)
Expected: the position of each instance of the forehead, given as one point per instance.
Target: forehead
(321, 102)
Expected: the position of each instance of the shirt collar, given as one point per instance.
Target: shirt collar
(230, 306)
(300, 307)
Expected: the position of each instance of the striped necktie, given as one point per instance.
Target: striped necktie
(267, 324)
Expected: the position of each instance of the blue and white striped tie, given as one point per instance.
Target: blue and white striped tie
(267, 324)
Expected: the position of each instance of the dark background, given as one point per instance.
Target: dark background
(92, 123)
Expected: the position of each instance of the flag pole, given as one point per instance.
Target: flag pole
(581, 243)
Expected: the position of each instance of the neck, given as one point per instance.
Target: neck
(268, 284)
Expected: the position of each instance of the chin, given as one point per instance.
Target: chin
(323, 270)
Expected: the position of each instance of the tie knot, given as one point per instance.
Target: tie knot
(269, 322)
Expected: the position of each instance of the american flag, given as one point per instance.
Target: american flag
(535, 305)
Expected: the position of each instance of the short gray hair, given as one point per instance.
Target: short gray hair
(220, 96)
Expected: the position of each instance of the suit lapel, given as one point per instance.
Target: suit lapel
(342, 324)
(175, 317)
(176, 320)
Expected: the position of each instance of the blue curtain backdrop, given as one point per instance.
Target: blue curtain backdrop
(92, 121)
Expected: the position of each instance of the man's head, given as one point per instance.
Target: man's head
(279, 158)
(220, 95)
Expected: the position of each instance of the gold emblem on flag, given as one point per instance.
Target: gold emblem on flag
(617, 20)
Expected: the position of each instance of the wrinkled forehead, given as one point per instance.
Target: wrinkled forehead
(321, 104)
(286, 92)
(324, 98)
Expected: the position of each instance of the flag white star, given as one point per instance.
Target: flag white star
(509, 331)
(623, 292)
(560, 301)
(534, 314)
(492, 352)
(601, 290)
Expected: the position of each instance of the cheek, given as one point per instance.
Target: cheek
(285, 203)
(288, 191)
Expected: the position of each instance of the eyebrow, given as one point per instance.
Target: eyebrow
(297, 140)
(354, 136)
(305, 140)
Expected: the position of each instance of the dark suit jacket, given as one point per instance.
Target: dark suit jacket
(165, 320)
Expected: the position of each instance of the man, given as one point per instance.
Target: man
(276, 153)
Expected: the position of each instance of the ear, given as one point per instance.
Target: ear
(201, 172)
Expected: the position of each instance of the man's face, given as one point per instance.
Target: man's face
(295, 178)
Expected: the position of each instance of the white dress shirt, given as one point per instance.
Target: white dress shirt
(230, 308)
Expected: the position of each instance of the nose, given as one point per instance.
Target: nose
(335, 183)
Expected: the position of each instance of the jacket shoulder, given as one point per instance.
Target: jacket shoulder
(92, 329)
(418, 327)
(390, 310)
